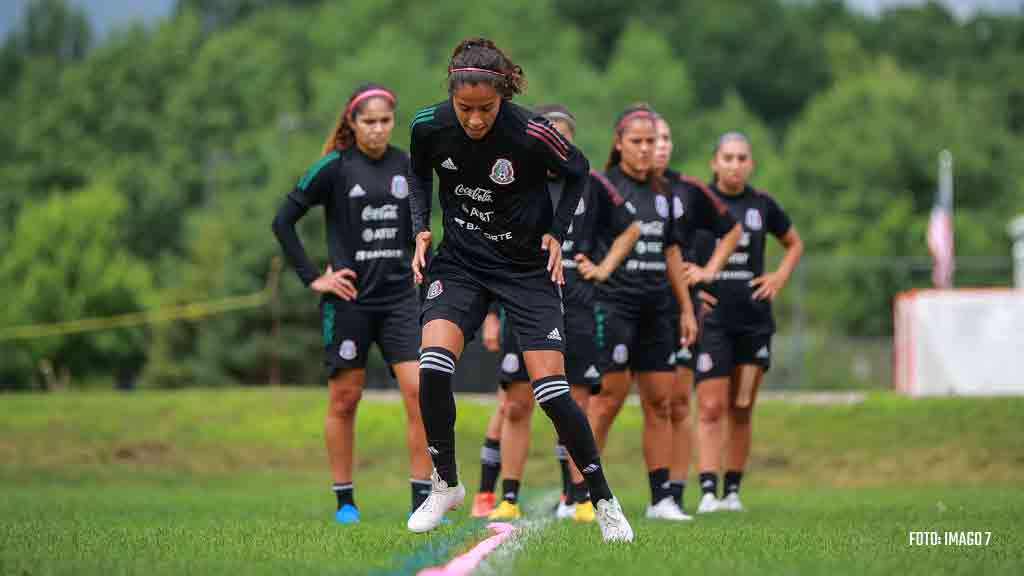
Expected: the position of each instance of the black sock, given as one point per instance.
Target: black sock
(552, 393)
(510, 490)
(420, 491)
(658, 479)
(579, 494)
(343, 492)
(676, 488)
(563, 462)
(732, 481)
(437, 405)
(490, 464)
(709, 483)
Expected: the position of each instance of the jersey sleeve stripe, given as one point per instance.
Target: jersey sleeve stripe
(315, 169)
(558, 138)
(547, 140)
(718, 204)
(613, 192)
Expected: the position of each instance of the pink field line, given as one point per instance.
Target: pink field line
(464, 564)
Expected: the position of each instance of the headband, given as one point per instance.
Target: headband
(632, 116)
(371, 93)
(471, 69)
(556, 115)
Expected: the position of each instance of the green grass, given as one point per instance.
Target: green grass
(234, 481)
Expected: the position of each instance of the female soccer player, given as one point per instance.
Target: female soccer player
(502, 242)
(734, 350)
(367, 293)
(600, 207)
(634, 313)
(700, 213)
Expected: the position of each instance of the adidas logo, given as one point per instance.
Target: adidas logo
(707, 484)
(554, 335)
(592, 372)
(356, 191)
(433, 451)
(763, 352)
(449, 164)
(591, 469)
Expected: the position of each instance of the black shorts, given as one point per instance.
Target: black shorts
(348, 330)
(639, 337)
(581, 355)
(532, 302)
(719, 351)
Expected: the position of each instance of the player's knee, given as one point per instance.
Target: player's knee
(711, 410)
(344, 402)
(680, 407)
(659, 407)
(740, 416)
(517, 410)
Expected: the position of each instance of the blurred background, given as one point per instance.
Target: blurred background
(145, 147)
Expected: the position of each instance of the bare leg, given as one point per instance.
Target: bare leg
(655, 397)
(605, 406)
(345, 389)
(681, 431)
(740, 429)
(515, 432)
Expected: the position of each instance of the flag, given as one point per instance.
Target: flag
(940, 226)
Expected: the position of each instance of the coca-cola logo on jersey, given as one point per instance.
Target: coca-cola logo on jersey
(378, 213)
(477, 194)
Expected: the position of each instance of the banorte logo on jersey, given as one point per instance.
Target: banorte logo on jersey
(502, 173)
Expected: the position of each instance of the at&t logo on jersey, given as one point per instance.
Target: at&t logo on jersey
(435, 290)
(399, 187)
(502, 173)
(753, 219)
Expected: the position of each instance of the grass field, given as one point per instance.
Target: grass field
(234, 482)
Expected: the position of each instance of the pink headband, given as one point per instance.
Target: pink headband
(632, 116)
(373, 92)
(469, 69)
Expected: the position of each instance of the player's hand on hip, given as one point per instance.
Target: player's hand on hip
(419, 257)
(491, 332)
(554, 250)
(339, 283)
(768, 285)
(687, 329)
(590, 271)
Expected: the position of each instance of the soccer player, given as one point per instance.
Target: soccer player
(502, 242)
(634, 314)
(701, 213)
(600, 206)
(367, 292)
(734, 349)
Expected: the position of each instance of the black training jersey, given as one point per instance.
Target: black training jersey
(759, 214)
(642, 273)
(366, 204)
(600, 208)
(494, 194)
(696, 211)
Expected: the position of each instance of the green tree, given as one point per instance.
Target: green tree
(67, 261)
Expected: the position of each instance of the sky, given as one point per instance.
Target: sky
(106, 15)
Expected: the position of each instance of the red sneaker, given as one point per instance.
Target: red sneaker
(483, 503)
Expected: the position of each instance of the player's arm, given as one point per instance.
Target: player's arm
(566, 161)
(708, 212)
(310, 191)
(421, 186)
(680, 287)
(609, 212)
(776, 221)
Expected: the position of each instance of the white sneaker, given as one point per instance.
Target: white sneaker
(613, 523)
(442, 499)
(731, 503)
(667, 509)
(565, 511)
(708, 504)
